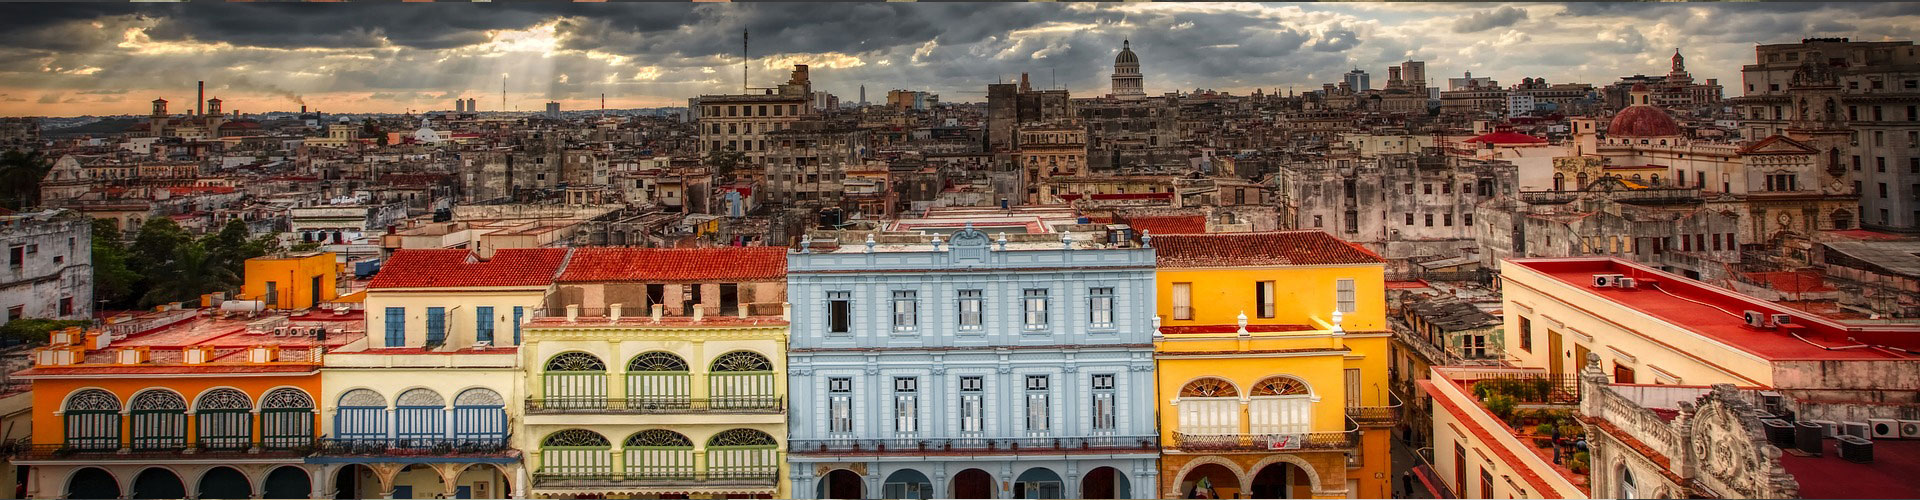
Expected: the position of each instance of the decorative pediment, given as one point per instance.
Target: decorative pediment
(1730, 455)
(1778, 144)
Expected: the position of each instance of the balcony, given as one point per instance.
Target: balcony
(1266, 442)
(279, 448)
(1377, 416)
(645, 479)
(972, 445)
(389, 448)
(656, 406)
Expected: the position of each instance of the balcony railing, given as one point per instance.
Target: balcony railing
(645, 478)
(412, 447)
(1377, 416)
(972, 444)
(280, 448)
(657, 406)
(1262, 442)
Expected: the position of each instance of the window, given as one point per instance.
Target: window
(839, 311)
(1622, 374)
(1344, 295)
(1716, 242)
(1103, 413)
(906, 391)
(1037, 413)
(906, 315)
(483, 324)
(1409, 218)
(1473, 346)
(970, 311)
(1883, 190)
(1446, 220)
(840, 404)
(1182, 301)
(1353, 221)
(518, 313)
(1486, 483)
(16, 257)
(396, 326)
(1263, 298)
(1426, 188)
(729, 299)
(1035, 300)
(1526, 330)
(66, 306)
(1316, 221)
(1879, 162)
(1100, 307)
(1429, 218)
(972, 415)
(1409, 189)
(436, 326)
(1466, 219)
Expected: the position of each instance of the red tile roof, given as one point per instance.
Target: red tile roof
(1508, 137)
(676, 264)
(1170, 224)
(458, 268)
(1284, 248)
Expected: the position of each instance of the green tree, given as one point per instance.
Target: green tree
(724, 161)
(192, 272)
(112, 280)
(231, 247)
(20, 174)
(156, 244)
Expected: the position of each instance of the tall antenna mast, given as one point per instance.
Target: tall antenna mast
(743, 62)
(503, 92)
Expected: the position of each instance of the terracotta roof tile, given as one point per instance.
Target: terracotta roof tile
(1170, 224)
(676, 264)
(458, 268)
(1284, 248)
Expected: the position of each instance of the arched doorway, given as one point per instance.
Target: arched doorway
(224, 483)
(973, 483)
(907, 484)
(1210, 481)
(1281, 480)
(418, 481)
(1105, 482)
(840, 484)
(287, 482)
(93, 483)
(156, 482)
(1038, 482)
(481, 481)
(354, 481)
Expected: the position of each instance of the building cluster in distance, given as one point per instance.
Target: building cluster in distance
(1459, 289)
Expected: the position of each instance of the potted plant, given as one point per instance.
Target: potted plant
(1579, 463)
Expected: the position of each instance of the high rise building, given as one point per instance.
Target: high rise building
(553, 109)
(1127, 82)
(1358, 80)
(740, 122)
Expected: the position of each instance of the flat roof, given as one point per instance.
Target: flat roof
(1889, 475)
(1714, 312)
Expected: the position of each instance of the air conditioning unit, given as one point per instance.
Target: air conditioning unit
(1856, 449)
(1855, 429)
(483, 344)
(1910, 429)
(1883, 428)
(1831, 429)
(1782, 319)
(1627, 283)
(1807, 437)
(1602, 280)
(1771, 401)
(1754, 319)
(1779, 432)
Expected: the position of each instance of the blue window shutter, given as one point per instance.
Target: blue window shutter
(436, 325)
(517, 312)
(483, 323)
(396, 326)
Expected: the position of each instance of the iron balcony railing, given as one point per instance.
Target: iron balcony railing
(279, 448)
(405, 447)
(657, 405)
(971, 444)
(1244, 442)
(644, 478)
(1376, 416)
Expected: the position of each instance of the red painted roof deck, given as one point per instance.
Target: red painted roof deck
(459, 268)
(596, 264)
(1713, 312)
(1889, 475)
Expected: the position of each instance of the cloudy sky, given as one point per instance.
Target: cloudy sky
(88, 58)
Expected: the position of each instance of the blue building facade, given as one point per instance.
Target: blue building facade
(972, 368)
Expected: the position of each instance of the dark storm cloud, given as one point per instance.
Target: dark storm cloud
(1497, 18)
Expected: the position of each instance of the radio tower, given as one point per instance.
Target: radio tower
(743, 62)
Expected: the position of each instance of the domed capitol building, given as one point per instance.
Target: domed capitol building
(1126, 74)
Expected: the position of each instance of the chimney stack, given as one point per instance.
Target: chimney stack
(197, 103)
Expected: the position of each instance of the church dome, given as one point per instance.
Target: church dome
(1642, 121)
(1126, 54)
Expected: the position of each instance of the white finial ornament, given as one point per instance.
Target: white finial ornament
(869, 242)
(1002, 241)
(1243, 322)
(936, 242)
(1146, 237)
(1066, 240)
(1336, 322)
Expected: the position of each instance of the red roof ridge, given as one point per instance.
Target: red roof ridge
(1270, 248)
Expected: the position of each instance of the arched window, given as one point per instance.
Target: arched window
(92, 420)
(659, 454)
(658, 380)
(1209, 407)
(1842, 219)
(1627, 488)
(742, 379)
(575, 380)
(1581, 180)
(225, 420)
(743, 454)
(1280, 405)
(479, 417)
(1559, 181)
(1654, 180)
(420, 418)
(575, 453)
(361, 415)
(286, 418)
(159, 420)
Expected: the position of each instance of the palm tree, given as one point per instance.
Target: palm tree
(194, 271)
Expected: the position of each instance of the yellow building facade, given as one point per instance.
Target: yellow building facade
(297, 281)
(1271, 359)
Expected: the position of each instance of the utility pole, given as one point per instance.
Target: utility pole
(743, 61)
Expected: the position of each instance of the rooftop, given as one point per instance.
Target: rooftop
(1889, 475)
(1281, 248)
(226, 339)
(676, 264)
(460, 268)
(1715, 313)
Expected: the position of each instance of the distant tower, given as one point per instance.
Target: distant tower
(203, 96)
(157, 124)
(553, 109)
(1360, 81)
(459, 105)
(1127, 82)
(863, 96)
(473, 106)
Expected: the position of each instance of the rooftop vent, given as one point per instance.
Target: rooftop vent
(1856, 449)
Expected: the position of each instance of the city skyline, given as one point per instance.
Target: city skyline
(101, 59)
